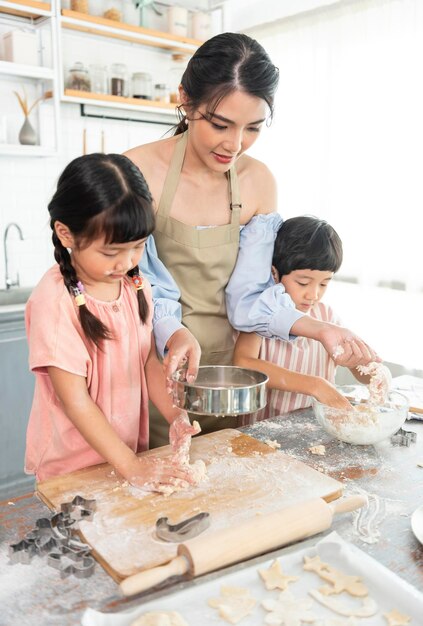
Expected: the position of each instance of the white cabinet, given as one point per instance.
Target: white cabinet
(38, 78)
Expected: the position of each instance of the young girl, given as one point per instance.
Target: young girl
(307, 253)
(89, 330)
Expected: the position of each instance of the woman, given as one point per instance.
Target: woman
(206, 188)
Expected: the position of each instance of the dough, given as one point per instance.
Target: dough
(274, 578)
(339, 622)
(234, 603)
(160, 618)
(394, 618)
(318, 449)
(272, 443)
(289, 610)
(367, 608)
(340, 582)
(380, 381)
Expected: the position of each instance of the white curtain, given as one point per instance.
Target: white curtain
(346, 143)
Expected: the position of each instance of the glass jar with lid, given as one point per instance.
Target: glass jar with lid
(179, 63)
(118, 80)
(78, 78)
(161, 92)
(142, 86)
(98, 76)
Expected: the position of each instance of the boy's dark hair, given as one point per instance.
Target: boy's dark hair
(100, 194)
(307, 243)
(223, 64)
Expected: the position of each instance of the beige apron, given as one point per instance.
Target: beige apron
(200, 261)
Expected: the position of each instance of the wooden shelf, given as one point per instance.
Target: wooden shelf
(118, 102)
(26, 8)
(26, 71)
(127, 32)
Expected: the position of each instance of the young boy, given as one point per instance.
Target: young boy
(307, 254)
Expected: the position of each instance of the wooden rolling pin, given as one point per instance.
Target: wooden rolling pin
(258, 535)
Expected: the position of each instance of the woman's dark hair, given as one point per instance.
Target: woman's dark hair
(307, 243)
(223, 64)
(100, 195)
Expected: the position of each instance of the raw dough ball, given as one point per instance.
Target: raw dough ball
(318, 449)
(160, 618)
(274, 578)
(234, 603)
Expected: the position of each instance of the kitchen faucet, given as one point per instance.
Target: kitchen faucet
(9, 282)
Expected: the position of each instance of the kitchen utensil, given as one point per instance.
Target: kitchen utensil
(220, 390)
(364, 423)
(246, 478)
(417, 523)
(187, 529)
(255, 536)
(404, 437)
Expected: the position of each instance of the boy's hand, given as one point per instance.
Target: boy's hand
(327, 394)
(345, 347)
(182, 348)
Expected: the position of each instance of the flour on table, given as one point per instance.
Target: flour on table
(339, 582)
(234, 603)
(394, 618)
(160, 618)
(380, 381)
(274, 578)
(318, 449)
(366, 608)
(288, 610)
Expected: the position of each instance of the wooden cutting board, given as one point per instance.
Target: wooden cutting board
(246, 477)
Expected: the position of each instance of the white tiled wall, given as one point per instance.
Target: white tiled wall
(27, 184)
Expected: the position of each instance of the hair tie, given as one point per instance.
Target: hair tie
(138, 282)
(78, 295)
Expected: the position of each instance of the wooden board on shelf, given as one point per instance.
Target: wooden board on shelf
(89, 95)
(171, 41)
(30, 4)
(246, 477)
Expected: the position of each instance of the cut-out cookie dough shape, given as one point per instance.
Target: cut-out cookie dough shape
(340, 582)
(160, 618)
(234, 603)
(395, 618)
(288, 610)
(274, 578)
(367, 608)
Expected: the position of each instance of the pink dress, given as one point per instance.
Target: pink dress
(302, 355)
(115, 375)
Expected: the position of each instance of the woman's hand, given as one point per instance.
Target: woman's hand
(346, 348)
(150, 473)
(327, 394)
(182, 348)
(182, 430)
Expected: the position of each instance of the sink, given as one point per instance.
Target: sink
(15, 295)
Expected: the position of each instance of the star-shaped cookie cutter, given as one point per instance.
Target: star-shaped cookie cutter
(404, 437)
(82, 564)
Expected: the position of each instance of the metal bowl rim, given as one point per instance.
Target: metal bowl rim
(195, 385)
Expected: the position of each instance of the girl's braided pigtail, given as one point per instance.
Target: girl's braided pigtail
(138, 283)
(93, 328)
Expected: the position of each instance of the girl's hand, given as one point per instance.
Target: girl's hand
(345, 347)
(181, 429)
(327, 394)
(149, 473)
(182, 348)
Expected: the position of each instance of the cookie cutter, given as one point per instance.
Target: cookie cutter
(79, 508)
(82, 564)
(188, 528)
(404, 437)
(57, 538)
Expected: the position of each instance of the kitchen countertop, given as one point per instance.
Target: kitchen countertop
(34, 594)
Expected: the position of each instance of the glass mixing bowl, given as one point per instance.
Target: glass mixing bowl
(364, 423)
